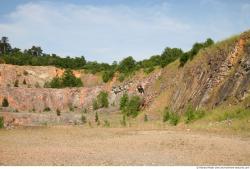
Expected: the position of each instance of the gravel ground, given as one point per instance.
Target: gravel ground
(77, 145)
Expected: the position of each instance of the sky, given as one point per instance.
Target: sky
(108, 30)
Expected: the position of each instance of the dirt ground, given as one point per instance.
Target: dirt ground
(78, 145)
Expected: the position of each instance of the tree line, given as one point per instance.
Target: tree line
(36, 57)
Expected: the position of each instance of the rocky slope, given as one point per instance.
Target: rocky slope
(218, 74)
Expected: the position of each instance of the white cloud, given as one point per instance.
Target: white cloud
(102, 32)
(107, 33)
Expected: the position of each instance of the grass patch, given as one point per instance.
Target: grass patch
(191, 114)
(172, 117)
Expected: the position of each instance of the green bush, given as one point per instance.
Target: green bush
(166, 114)
(107, 75)
(68, 79)
(130, 107)
(124, 101)
(5, 102)
(174, 118)
(102, 99)
(170, 116)
(133, 106)
(95, 104)
(1, 122)
(191, 114)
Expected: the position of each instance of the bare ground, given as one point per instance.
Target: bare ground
(77, 145)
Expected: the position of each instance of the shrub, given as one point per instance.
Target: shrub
(5, 102)
(133, 106)
(166, 114)
(1, 122)
(16, 84)
(174, 118)
(83, 119)
(102, 99)
(68, 79)
(107, 75)
(46, 109)
(124, 101)
(95, 104)
(58, 112)
(170, 116)
(191, 114)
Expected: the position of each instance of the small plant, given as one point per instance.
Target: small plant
(16, 84)
(33, 110)
(95, 104)
(123, 121)
(191, 114)
(170, 116)
(174, 118)
(96, 117)
(124, 101)
(83, 119)
(24, 82)
(5, 102)
(166, 114)
(106, 123)
(145, 118)
(1, 122)
(46, 109)
(102, 99)
(58, 112)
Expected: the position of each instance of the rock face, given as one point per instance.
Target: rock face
(217, 74)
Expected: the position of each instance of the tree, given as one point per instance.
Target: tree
(169, 55)
(35, 51)
(107, 75)
(69, 79)
(127, 65)
(124, 101)
(4, 45)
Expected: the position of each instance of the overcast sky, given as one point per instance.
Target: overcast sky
(108, 30)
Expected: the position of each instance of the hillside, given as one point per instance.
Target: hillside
(217, 75)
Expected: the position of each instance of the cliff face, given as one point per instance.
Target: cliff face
(216, 75)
